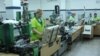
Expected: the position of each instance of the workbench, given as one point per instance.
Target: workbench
(8, 54)
(96, 30)
(47, 50)
(75, 32)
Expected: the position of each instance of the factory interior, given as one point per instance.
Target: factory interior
(49, 27)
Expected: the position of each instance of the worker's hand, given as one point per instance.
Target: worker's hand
(34, 41)
(40, 33)
(31, 41)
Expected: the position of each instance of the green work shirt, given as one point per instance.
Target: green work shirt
(39, 26)
(96, 19)
(71, 19)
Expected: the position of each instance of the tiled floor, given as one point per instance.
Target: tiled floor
(85, 48)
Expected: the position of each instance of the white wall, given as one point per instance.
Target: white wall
(16, 2)
(2, 5)
(63, 4)
(2, 9)
(98, 4)
(79, 4)
(34, 4)
(46, 4)
(8, 2)
(49, 5)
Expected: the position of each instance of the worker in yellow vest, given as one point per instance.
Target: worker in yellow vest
(72, 18)
(37, 26)
(96, 18)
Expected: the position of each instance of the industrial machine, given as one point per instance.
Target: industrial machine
(55, 18)
(15, 35)
(64, 39)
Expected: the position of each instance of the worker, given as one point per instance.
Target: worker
(95, 19)
(37, 26)
(88, 19)
(72, 18)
